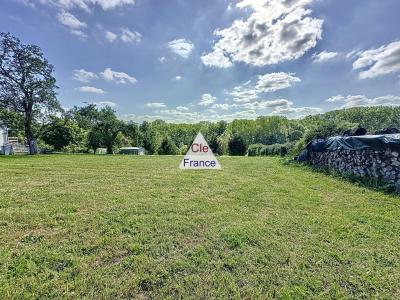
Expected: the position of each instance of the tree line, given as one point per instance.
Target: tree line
(88, 128)
(28, 105)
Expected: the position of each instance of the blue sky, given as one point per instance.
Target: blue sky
(186, 61)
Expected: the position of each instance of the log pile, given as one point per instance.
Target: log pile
(384, 165)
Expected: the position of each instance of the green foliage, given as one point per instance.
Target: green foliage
(132, 133)
(57, 133)
(86, 117)
(269, 150)
(223, 143)
(255, 149)
(237, 146)
(151, 137)
(321, 129)
(12, 120)
(281, 134)
(168, 147)
(27, 85)
(325, 130)
(372, 118)
(105, 131)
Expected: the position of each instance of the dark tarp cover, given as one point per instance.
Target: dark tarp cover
(372, 142)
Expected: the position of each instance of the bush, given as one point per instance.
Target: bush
(223, 144)
(255, 149)
(57, 134)
(237, 146)
(269, 150)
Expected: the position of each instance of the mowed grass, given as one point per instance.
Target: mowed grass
(103, 227)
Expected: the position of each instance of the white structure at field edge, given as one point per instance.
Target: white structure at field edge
(200, 156)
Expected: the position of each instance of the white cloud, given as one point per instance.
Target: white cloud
(228, 112)
(156, 105)
(324, 56)
(106, 103)
(86, 5)
(362, 100)
(79, 33)
(216, 59)
(275, 81)
(206, 100)
(69, 20)
(223, 106)
(267, 83)
(181, 47)
(110, 4)
(91, 89)
(129, 36)
(27, 3)
(126, 36)
(117, 77)
(111, 36)
(182, 108)
(178, 77)
(353, 53)
(377, 62)
(72, 23)
(84, 76)
(296, 112)
(275, 32)
(162, 59)
(260, 105)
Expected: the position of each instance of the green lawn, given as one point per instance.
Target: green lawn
(100, 227)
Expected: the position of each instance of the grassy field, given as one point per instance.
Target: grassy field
(138, 227)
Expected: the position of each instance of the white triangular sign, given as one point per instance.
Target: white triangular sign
(200, 156)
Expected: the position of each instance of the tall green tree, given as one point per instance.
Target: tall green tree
(86, 117)
(104, 132)
(150, 136)
(27, 85)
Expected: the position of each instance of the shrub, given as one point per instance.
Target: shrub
(223, 143)
(168, 147)
(255, 149)
(269, 150)
(237, 146)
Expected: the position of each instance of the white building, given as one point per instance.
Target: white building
(5, 147)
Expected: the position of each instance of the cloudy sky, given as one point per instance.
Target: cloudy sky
(189, 60)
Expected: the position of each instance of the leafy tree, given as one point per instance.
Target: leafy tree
(237, 145)
(12, 120)
(105, 131)
(295, 135)
(27, 85)
(86, 117)
(95, 139)
(132, 132)
(168, 147)
(150, 137)
(57, 133)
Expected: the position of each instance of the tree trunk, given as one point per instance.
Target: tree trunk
(29, 133)
(109, 149)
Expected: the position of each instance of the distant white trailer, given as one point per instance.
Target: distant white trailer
(132, 150)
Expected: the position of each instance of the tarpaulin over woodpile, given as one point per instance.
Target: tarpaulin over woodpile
(371, 142)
